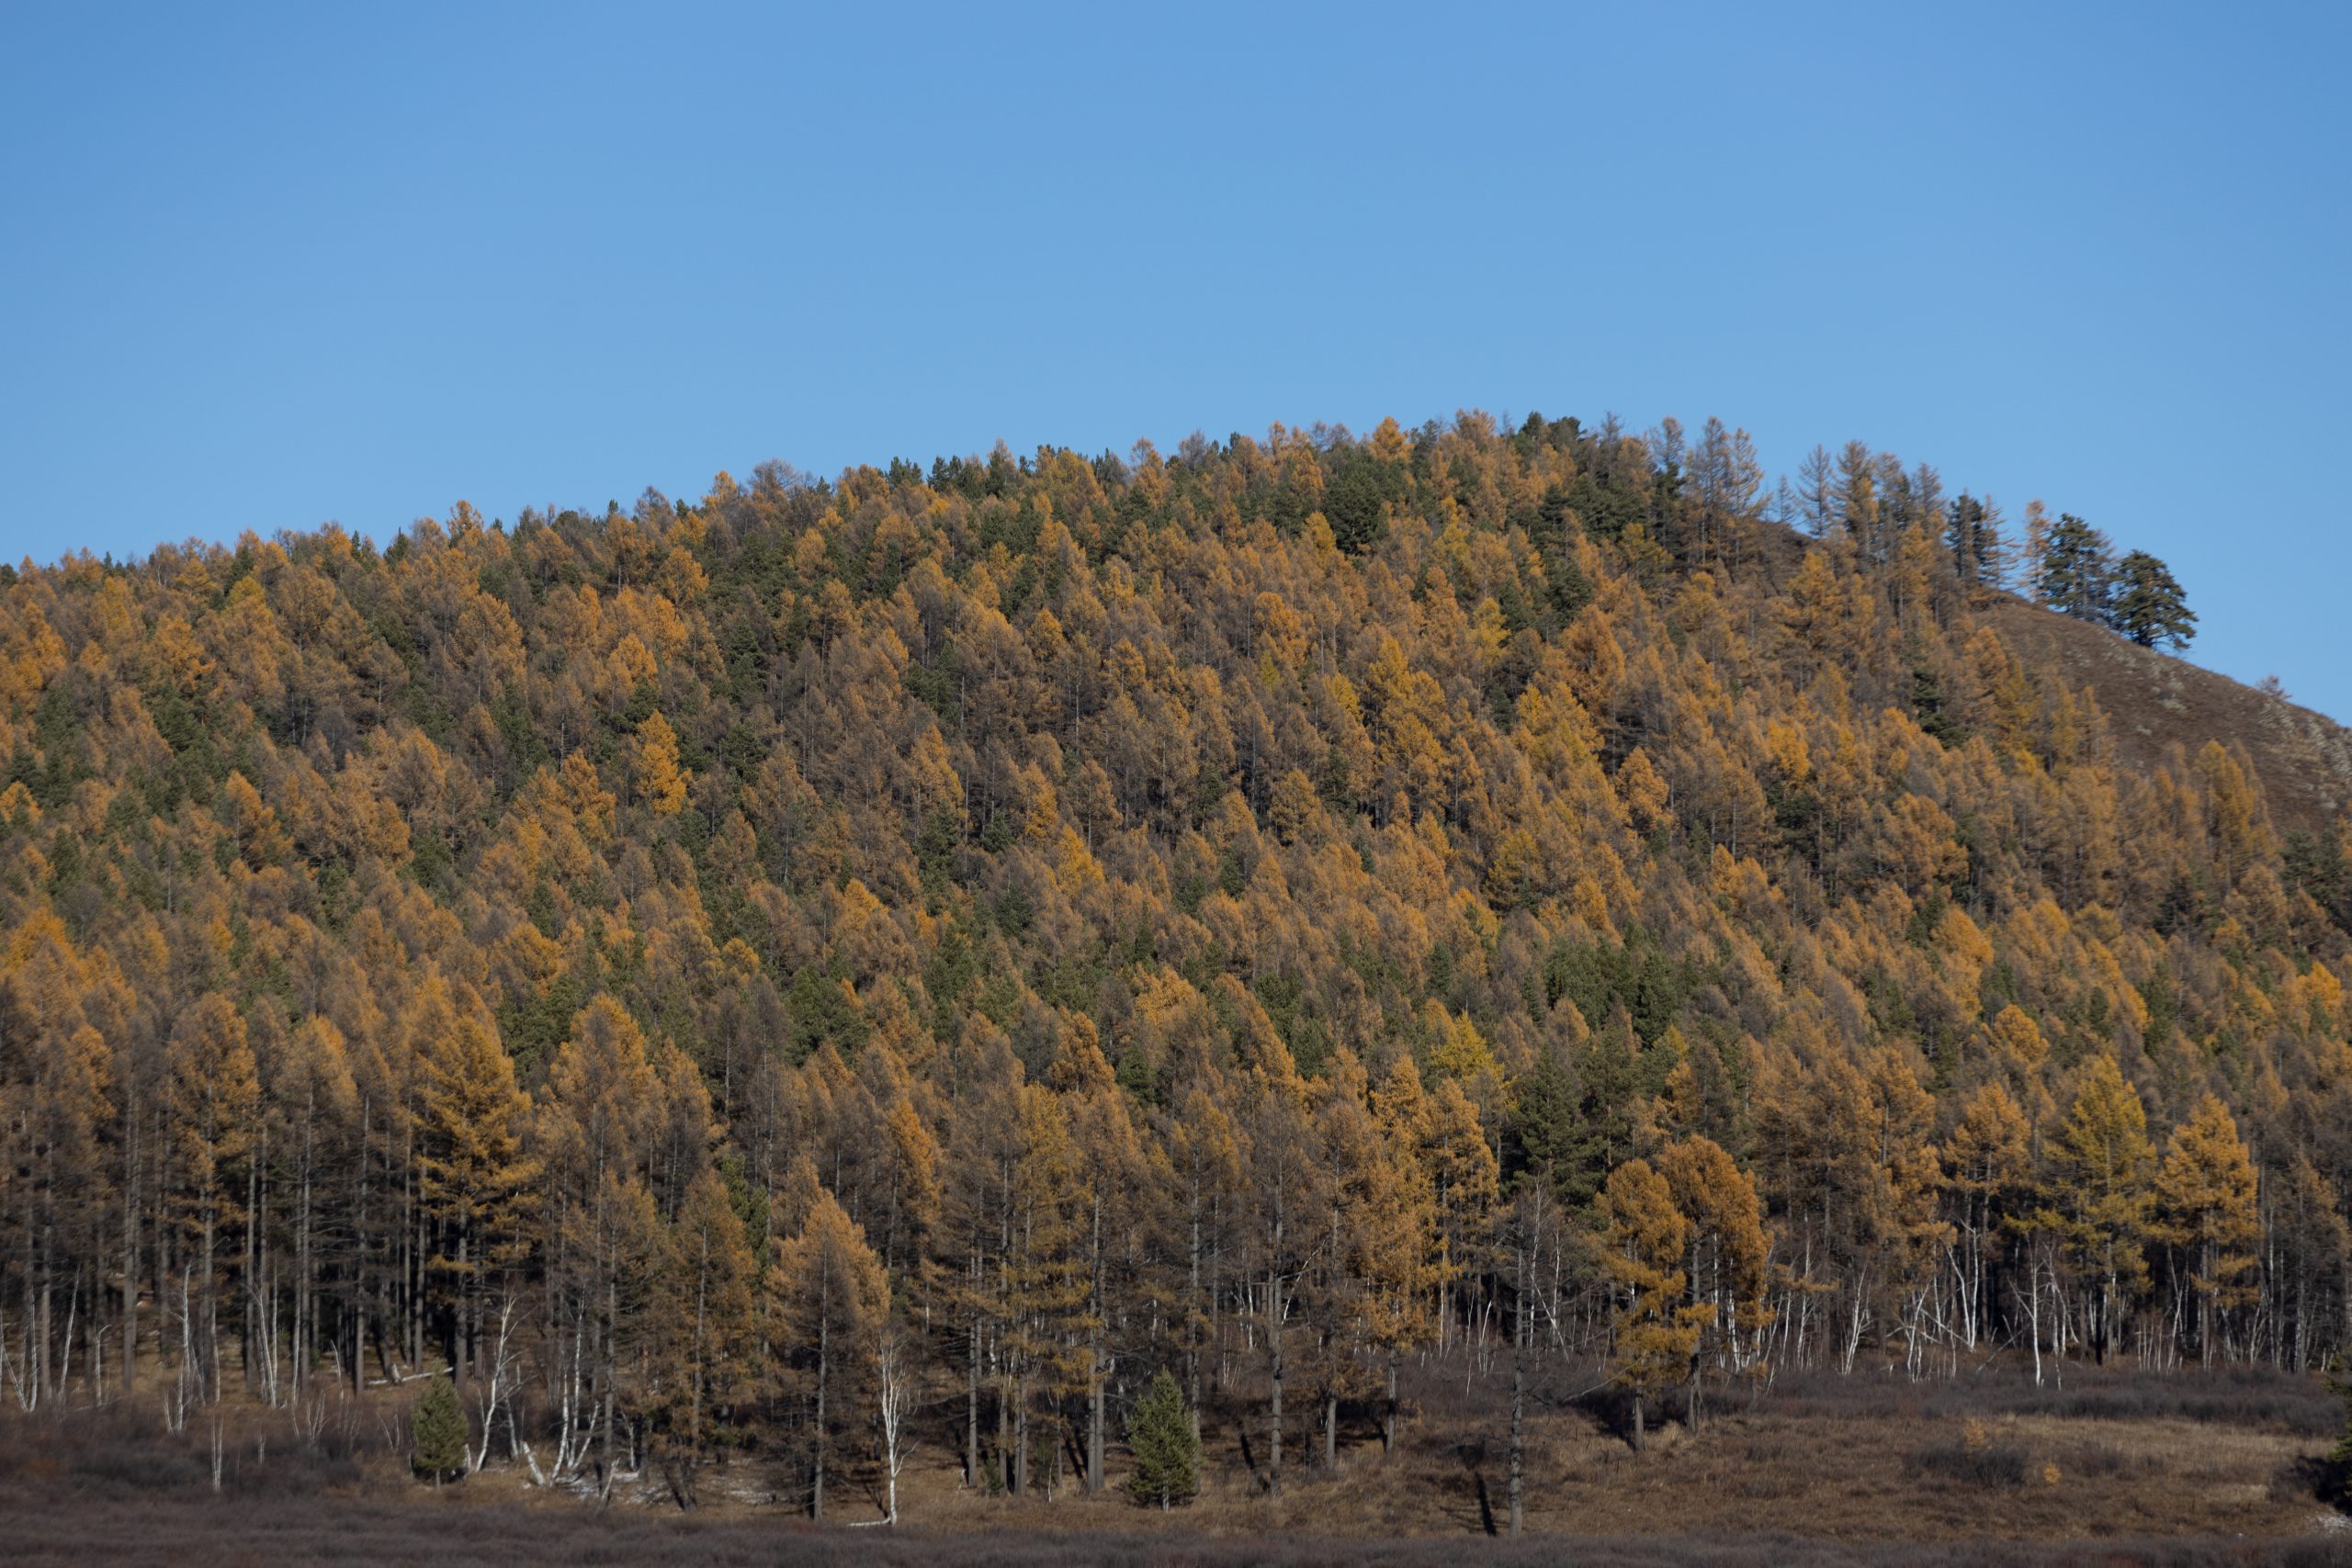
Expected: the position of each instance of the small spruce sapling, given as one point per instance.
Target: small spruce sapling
(2334, 1479)
(1167, 1454)
(439, 1424)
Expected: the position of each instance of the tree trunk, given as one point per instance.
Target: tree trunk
(1698, 1341)
(1518, 1403)
(1274, 1344)
(1388, 1422)
(817, 1482)
(207, 1385)
(1021, 1440)
(129, 1250)
(608, 1361)
(972, 1414)
(1094, 1431)
(1274, 1425)
(1096, 1371)
(1194, 1314)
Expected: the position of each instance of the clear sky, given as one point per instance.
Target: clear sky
(261, 269)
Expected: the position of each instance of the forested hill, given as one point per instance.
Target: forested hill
(1266, 910)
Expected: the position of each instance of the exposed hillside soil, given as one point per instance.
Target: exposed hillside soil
(2155, 702)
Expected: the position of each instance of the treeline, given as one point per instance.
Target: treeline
(927, 951)
(1876, 505)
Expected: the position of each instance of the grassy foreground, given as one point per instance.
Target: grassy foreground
(2111, 1468)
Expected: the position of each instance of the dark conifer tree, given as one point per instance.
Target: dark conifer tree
(2149, 606)
(2077, 570)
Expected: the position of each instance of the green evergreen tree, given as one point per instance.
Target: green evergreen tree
(2077, 570)
(1168, 1453)
(2334, 1479)
(439, 1431)
(2149, 606)
(1980, 551)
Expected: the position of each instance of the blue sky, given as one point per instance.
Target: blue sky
(261, 269)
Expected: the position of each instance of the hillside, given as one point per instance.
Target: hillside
(2155, 702)
(759, 987)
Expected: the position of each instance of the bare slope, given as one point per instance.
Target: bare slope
(2155, 702)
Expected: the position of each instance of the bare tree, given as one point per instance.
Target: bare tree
(894, 1382)
(498, 1389)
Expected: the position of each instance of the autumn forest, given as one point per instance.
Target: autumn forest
(840, 978)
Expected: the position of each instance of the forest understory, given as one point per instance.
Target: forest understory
(2113, 1465)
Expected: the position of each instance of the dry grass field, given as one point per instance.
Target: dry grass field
(2185, 1469)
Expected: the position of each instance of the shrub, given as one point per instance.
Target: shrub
(1969, 1463)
